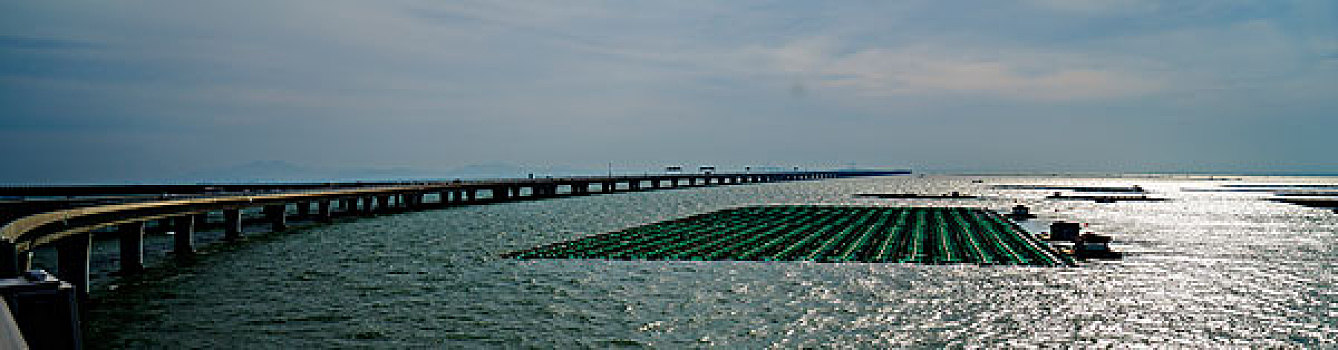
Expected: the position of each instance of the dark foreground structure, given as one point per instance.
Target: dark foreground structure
(922, 235)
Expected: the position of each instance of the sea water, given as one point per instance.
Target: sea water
(1201, 270)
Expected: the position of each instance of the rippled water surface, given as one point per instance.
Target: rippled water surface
(1205, 270)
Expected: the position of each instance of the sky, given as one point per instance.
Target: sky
(106, 91)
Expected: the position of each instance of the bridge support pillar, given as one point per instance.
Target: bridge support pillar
(12, 262)
(277, 217)
(471, 195)
(634, 185)
(183, 235)
(367, 206)
(132, 247)
(323, 213)
(72, 253)
(303, 210)
(232, 224)
(446, 198)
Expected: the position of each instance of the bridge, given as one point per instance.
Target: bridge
(184, 209)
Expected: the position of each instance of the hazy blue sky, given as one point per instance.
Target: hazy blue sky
(115, 90)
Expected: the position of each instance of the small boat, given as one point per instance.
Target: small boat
(1094, 246)
(1020, 212)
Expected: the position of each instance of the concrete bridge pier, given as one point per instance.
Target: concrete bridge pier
(634, 185)
(323, 213)
(277, 217)
(183, 235)
(232, 224)
(13, 262)
(606, 187)
(367, 205)
(450, 197)
(471, 195)
(411, 201)
(132, 247)
(303, 210)
(382, 204)
(72, 257)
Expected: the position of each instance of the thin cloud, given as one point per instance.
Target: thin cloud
(886, 72)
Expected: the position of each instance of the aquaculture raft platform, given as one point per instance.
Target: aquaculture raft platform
(924, 235)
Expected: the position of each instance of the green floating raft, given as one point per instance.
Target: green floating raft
(919, 235)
